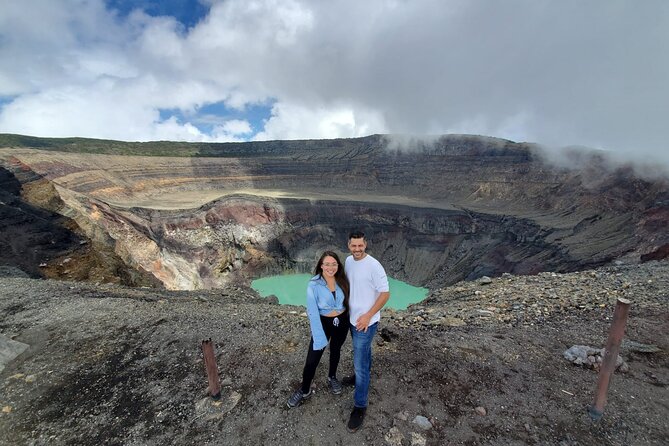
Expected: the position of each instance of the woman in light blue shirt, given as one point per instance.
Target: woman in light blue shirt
(327, 303)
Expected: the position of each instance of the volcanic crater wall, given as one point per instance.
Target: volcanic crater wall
(246, 236)
(457, 208)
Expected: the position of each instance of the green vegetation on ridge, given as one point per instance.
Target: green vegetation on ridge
(184, 149)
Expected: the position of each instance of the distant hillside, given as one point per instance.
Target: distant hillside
(183, 149)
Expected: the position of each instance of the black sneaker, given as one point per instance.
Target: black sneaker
(357, 417)
(298, 397)
(334, 385)
(348, 381)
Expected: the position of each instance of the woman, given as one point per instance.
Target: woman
(327, 300)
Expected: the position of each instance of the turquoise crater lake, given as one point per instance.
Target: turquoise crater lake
(291, 289)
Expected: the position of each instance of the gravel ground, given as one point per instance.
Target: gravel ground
(476, 363)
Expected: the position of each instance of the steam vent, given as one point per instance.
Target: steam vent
(196, 216)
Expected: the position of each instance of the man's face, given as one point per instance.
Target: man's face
(357, 247)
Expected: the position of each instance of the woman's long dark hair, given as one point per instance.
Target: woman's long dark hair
(340, 275)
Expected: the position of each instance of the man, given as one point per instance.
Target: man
(369, 293)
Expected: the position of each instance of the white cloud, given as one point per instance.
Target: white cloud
(44, 43)
(236, 127)
(290, 121)
(560, 73)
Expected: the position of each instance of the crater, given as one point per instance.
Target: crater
(203, 215)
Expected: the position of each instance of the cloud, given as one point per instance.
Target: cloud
(557, 73)
(236, 127)
(291, 121)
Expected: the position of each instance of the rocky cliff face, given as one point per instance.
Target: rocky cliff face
(458, 208)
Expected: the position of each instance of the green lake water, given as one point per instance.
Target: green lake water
(291, 289)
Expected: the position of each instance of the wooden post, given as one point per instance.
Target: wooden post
(616, 334)
(212, 369)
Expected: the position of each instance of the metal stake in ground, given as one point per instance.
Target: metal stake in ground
(616, 334)
(212, 370)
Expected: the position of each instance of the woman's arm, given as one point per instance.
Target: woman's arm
(317, 332)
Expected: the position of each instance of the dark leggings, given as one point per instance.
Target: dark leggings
(336, 335)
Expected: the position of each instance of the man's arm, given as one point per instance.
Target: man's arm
(363, 321)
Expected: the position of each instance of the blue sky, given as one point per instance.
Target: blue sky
(187, 12)
(556, 73)
(205, 118)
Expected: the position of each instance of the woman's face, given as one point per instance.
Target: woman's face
(329, 266)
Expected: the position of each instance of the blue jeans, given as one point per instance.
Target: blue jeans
(362, 362)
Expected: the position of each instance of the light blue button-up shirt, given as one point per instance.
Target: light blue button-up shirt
(320, 301)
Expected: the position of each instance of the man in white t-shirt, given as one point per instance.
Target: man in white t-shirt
(369, 293)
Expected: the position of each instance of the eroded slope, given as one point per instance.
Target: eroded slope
(459, 208)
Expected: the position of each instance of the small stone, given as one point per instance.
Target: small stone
(485, 312)
(451, 321)
(404, 415)
(481, 411)
(394, 437)
(7, 409)
(30, 378)
(272, 299)
(422, 422)
(638, 347)
(485, 280)
(417, 439)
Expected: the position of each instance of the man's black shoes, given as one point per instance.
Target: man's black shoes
(357, 417)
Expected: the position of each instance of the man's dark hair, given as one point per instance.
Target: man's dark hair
(356, 234)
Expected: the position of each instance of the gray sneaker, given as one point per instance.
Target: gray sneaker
(298, 397)
(334, 386)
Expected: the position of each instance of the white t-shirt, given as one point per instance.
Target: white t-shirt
(367, 280)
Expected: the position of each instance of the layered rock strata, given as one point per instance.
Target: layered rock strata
(456, 209)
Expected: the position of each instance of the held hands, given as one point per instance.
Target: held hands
(363, 322)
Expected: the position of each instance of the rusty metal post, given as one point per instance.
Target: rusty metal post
(608, 366)
(212, 369)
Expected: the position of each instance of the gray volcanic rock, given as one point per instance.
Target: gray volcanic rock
(39, 241)
(29, 235)
(9, 350)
